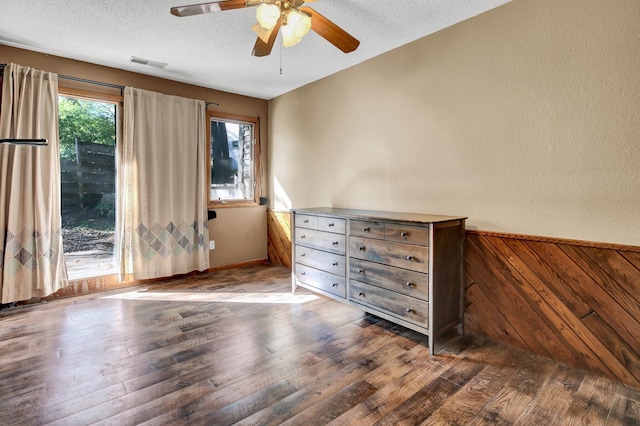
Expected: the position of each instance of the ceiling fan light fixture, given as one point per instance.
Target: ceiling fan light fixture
(297, 26)
(267, 15)
(290, 16)
(288, 38)
(262, 33)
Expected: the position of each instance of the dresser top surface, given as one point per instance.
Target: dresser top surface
(378, 215)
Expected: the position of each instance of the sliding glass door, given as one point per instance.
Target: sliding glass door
(88, 130)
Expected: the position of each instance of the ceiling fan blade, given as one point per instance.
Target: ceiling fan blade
(331, 32)
(262, 48)
(214, 6)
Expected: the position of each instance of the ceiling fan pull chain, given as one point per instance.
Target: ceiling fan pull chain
(280, 58)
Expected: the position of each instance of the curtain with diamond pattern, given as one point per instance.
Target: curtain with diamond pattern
(31, 255)
(162, 220)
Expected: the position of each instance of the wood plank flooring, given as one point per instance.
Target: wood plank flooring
(236, 347)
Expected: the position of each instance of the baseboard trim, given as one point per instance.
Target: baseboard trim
(256, 262)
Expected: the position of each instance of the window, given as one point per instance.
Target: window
(88, 186)
(234, 160)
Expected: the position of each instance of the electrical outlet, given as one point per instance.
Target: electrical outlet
(212, 245)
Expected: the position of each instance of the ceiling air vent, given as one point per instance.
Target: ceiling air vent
(143, 61)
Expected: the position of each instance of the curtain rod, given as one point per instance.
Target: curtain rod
(96, 83)
(83, 80)
(100, 83)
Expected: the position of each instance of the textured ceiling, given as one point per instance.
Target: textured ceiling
(214, 50)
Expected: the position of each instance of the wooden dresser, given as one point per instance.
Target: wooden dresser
(406, 268)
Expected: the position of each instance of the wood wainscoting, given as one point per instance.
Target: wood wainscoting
(572, 301)
(279, 237)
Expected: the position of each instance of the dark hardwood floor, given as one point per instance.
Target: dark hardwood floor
(236, 347)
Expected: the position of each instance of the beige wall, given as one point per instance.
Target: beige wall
(235, 232)
(525, 118)
(247, 223)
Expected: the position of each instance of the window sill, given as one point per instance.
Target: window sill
(232, 204)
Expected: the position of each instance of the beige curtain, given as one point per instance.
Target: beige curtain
(162, 225)
(31, 255)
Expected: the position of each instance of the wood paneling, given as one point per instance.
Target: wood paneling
(573, 301)
(279, 237)
(236, 347)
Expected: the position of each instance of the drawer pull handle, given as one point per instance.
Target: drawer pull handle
(410, 284)
(335, 263)
(303, 273)
(410, 258)
(361, 294)
(332, 224)
(302, 237)
(335, 243)
(303, 254)
(410, 311)
(366, 229)
(306, 221)
(335, 285)
(404, 234)
(362, 248)
(361, 271)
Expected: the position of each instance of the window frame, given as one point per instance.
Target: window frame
(257, 166)
(118, 102)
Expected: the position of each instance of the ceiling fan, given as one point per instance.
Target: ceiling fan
(288, 16)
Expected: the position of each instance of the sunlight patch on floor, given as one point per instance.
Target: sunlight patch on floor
(150, 295)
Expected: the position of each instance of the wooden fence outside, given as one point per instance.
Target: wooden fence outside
(85, 180)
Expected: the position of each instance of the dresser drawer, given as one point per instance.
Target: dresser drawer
(335, 243)
(306, 221)
(414, 284)
(399, 305)
(332, 224)
(322, 280)
(366, 228)
(407, 233)
(334, 263)
(407, 256)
